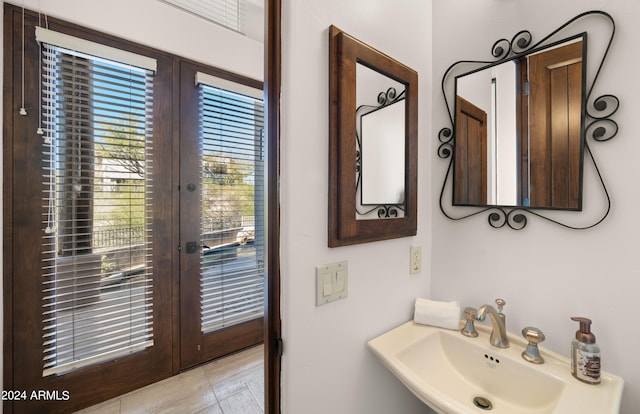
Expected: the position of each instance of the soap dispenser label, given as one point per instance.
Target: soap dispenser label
(587, 366)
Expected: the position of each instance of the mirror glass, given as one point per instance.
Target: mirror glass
(519, 130)
(380, 130)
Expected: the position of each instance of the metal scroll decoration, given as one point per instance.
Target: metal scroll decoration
(599, 126)
(384, 99)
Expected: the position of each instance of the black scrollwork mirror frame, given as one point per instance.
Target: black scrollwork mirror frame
(598, 127)
(344, 227)
(385, 209)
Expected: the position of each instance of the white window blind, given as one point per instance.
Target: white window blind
(228, 13)
(232, 227)
(97, 267)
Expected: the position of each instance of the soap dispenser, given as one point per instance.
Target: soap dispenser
(585, 354)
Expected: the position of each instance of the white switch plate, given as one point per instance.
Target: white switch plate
(415, 260)
(332, 282)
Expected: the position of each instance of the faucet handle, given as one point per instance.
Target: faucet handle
(470, 314)
(500, 303)
(534, 336)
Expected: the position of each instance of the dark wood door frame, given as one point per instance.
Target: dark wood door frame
(272, 83)
(522, 126)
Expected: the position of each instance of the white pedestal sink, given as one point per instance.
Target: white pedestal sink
(448, 371)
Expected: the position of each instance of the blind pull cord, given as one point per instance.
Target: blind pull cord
(23, 110)
(40, 131)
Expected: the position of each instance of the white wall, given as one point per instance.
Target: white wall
(547, 273)
(326, 366)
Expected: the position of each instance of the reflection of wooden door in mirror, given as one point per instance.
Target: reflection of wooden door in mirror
(470, 180)
(555, 79)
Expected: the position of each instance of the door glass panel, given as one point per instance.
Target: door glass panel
(232, 216)
(97, 272)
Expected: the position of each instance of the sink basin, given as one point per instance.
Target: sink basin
(452, 373)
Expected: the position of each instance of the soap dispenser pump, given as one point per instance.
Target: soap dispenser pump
(585, 353)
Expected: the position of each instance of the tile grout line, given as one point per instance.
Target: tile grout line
(256, 397)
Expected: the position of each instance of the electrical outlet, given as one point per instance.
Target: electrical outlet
(415, 260)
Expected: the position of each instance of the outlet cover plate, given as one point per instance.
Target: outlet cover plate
(415, 260)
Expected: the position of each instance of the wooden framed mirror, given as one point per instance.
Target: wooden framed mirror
(373, 143)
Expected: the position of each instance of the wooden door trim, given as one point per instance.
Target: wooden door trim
(273, 326)
(522, 126)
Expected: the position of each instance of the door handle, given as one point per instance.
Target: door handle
(192, 247)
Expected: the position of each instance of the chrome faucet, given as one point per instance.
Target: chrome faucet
(498, 336)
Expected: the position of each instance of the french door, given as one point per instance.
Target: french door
(88, 274)
(221, 216)
(133, 215)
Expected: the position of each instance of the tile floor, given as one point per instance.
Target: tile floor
(232, 385)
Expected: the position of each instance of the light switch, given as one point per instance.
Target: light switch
(341, 276)
(327, 284)
(332, 282)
